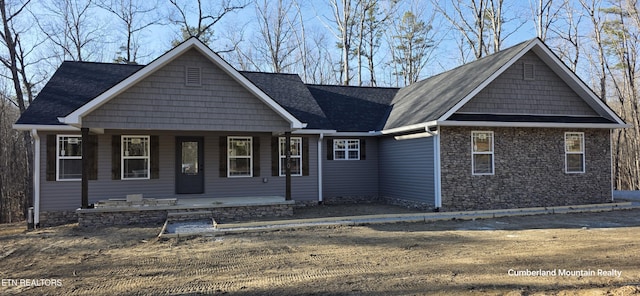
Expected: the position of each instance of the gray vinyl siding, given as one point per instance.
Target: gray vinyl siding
(351, 178)
(162, 101)
(406, 169)
(510, 93)
(65, 195)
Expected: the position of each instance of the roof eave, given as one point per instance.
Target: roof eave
(532, 124)
(44, 127)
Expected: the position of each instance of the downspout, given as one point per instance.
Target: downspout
(320, 167)
(436, 168)
(612, 177)
(36, 178)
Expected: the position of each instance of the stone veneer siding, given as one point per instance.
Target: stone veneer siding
(105, 217)
(529, 169)
(56, 218)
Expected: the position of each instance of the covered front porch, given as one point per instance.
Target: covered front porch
(156, 211)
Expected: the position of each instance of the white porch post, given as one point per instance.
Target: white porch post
(36, 178)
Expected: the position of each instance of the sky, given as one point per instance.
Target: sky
(317, 16)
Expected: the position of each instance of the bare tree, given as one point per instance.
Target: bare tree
(620, 35)
(568, 47)
(276, 22)
(545, 14)
(134, 17)
(16, 65)
(70, 25)
(469, 21)
(207, 17)
(592, 9)
(344, 16)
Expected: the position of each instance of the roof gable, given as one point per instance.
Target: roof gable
(545, 93)
(75, 117)
(437, 98)
(432, 98)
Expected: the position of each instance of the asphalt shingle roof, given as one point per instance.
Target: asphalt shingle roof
(352, 108)
(289, 91)
(71, 86)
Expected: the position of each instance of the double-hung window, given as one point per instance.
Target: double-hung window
(239, 157)
(69, 154)
(574, 152)
(482, 153)
(135, 157)
(296, 156)
(346, 149)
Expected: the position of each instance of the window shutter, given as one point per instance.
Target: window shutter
(329, 148)
(363, 148)
(305, 156)
(115, 157)
(92, 141)
(154, 156)
(256, 156)
(275, 156)
(223, 156)
(51, 157)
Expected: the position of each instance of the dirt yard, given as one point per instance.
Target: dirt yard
(574, 254)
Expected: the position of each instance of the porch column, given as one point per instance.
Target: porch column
(85, 167)
(287, 153)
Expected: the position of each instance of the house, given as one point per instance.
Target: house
(513, 129)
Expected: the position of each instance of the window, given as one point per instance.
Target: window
(135, 157)
(69, 158)
(239, 157)
(296, 156)
(574, 152)
(346, 149)
(482, 153)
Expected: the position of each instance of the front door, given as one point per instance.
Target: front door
(189, 165)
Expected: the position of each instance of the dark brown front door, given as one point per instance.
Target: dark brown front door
(189, 165)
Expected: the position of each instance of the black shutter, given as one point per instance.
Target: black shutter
(92, 142)
(51, 157)
(305, 156)
(329, 148)
(363, 148)
(154, 146)
(256, 156)
(275, 156)
(115, 157)
(223, 156)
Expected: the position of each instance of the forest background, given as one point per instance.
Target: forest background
(349, 42)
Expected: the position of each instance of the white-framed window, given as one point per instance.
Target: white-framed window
(296, 156)
(69, 158)
(346, 149)
(574, 152)
(239, 157)
(135, 158)
(482, 153)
